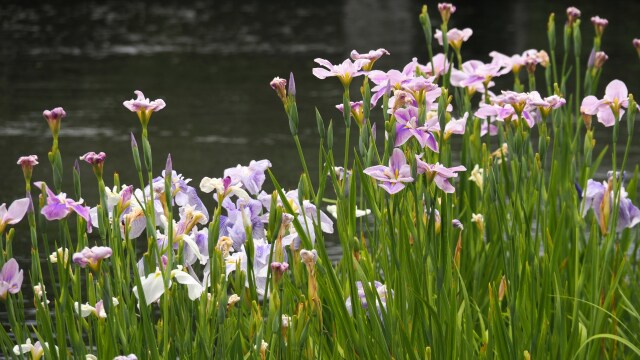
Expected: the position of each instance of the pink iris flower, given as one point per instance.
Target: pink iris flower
(439, 173)
(345, 71)
(616, 97)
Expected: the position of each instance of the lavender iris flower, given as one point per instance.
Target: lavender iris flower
(594, 197)
(407, 127)
(10, 278)
(616, 97)
(58, 206)
(240, 214)
(439, 173)
(92, 257)
(393, 176)
(252, 177)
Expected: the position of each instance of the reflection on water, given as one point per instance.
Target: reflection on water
(212, 64)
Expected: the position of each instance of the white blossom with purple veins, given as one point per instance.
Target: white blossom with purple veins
(251, 177)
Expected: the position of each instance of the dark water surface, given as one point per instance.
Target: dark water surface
(212, 62)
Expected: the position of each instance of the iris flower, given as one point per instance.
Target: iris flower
(10, 278)
(438, 173)
(58, 206)
(616, 97)
(394, 176)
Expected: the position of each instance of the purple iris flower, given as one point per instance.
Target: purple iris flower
(439, 173)
(14, 214)
(239, 215)
(10, 278)
(58, 206)
(594, 195)
(92, 257)
(616, 97)
(252, 177)
(393, 176)
(455, 37)
(53, 118)
(407, 127)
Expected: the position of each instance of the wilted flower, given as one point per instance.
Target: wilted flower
(309, 257)
(232, 300)
(345, 71)
(60, 254)
(599, 24)
(10, 278)
(53, 118)
(27, 163)
(636, 45)
(477, 175)
(279, 85)
(14, 214)
(478, 219)
(446, 9)
(393, 176)
(616, 97)
(92, 158)
(92, 257)
(144, 107)
(600, 59)
(572, 15)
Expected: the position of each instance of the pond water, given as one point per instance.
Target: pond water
(212, 63)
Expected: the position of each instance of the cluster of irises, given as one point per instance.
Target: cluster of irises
(538, 260)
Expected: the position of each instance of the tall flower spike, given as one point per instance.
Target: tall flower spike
(144, 107)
